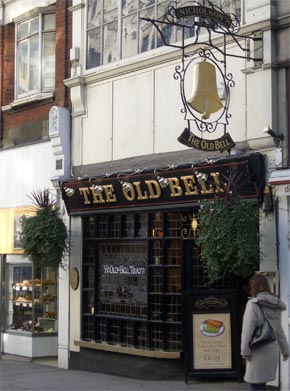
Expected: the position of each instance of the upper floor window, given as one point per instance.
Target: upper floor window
(115, 29)
(35, 55)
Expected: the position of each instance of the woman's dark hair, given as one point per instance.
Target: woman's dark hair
(259, 283)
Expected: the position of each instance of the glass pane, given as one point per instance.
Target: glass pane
(88, 328)
(94, 48)
(146, 3)
(34, 65)
(129, 228)
(103, 227)
(34, 25)
(174, 252)
(174, 309)
(156, 280)
(157, 336)
(174, 337)
(116, 227)
(167, 30)
(142, 225)
(174, 280)
(110, 10)
(157, 253)
(147, 33)
(22, 30)
(89, 277)
(129, 6)
(129, 36)
(22, 68)
(49, 61)
(94, 13)
(110, 43)
(156, 307)
(32, 299)
(49, 22)
(174, 225)
(231, 6)
(157, 225)
(89, 252)
(88, 302)
(89, 227)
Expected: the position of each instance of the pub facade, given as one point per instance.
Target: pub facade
(139, 294)
(141, 282)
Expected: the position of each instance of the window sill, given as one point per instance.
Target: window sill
(26, 144)
(27, 100)
(127, 350)
(31, 334)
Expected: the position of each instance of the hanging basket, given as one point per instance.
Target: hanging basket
(229, 238)
(44, 236)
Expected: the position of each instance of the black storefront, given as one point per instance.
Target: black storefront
(144, 292)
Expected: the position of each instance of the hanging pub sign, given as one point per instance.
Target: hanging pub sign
(191, 140)
(209, 13)
(175, 185)
(203, 68)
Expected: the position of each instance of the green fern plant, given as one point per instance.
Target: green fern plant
(44, 236)
(228, 237)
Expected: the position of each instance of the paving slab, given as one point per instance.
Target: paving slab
(21, 375)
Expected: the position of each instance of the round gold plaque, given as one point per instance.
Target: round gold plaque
(74, 278)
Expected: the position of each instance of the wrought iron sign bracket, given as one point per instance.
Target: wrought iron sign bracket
(201, 24)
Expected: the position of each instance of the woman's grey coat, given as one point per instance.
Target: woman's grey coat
(262, 365)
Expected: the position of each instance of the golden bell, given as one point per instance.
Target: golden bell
(205, 99)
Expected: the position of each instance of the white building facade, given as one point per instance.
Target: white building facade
(126, 118)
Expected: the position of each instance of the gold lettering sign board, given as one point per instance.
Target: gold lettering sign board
(212, 341)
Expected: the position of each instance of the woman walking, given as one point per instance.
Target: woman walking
(261, 363)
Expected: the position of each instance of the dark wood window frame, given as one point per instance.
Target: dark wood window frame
(152, 322)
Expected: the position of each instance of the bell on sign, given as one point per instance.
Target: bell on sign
(205, 99)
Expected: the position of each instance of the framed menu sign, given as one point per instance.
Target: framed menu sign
(212, 341)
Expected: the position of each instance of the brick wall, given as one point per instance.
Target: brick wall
(15, 120)
(7, 63)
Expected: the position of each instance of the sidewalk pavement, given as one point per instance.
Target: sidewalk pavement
(16, 375)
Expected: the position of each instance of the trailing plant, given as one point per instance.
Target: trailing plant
(229, 237)
(44, 236)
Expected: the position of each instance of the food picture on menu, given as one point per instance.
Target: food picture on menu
(212, 327)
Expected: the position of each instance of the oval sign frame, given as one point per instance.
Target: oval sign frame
(74, 278)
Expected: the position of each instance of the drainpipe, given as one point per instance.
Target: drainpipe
(287, 87)
(1, 65)
(2, 298)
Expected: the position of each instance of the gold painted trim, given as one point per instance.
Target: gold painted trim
(126, 350)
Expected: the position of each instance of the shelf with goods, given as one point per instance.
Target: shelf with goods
(34, 303)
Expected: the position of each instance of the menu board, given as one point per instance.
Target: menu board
(123, 279)
(212, 341)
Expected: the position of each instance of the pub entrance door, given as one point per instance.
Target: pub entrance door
(212, 321)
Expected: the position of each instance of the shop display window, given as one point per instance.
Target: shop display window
(132, 271)
(32, 305)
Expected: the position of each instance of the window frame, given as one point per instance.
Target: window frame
(157, 324)
(39, 13)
